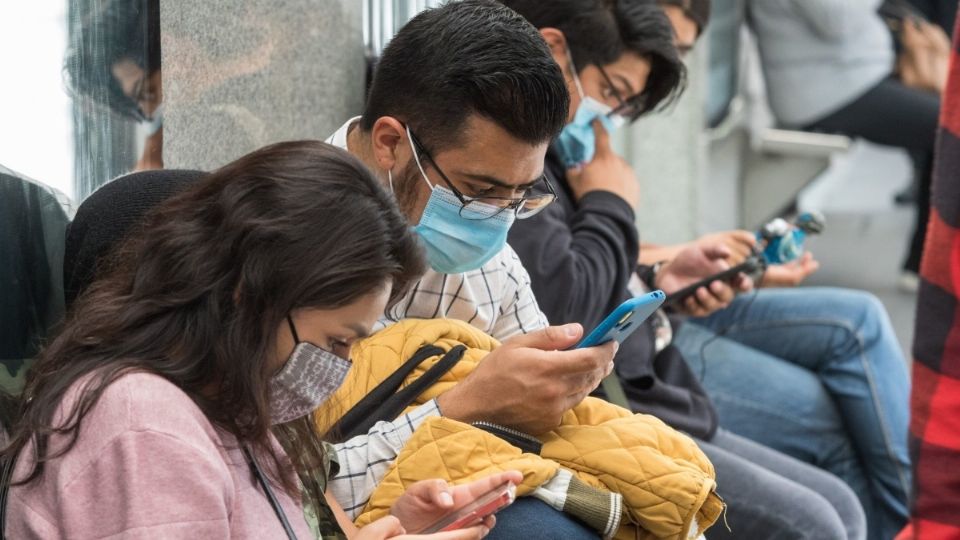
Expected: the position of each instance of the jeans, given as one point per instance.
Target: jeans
(768, 496)
(895, 115)
(533, 519)
(772, 496)
(817, 374)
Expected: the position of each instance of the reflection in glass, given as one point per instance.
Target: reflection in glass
(112, 69)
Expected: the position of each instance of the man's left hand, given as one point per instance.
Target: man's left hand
(694, 263)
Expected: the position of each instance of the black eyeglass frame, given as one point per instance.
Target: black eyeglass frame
(512, 203)
(630, 108)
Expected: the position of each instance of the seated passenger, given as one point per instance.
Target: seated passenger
(229, 314)
(463, 105)
(833, 342)
(829, 66)
(777, 387)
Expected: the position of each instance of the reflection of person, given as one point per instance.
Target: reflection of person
(829, 67)
(178, 380)
(115, 60)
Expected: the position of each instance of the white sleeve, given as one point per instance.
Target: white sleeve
(364, 460)
(837, 19)
(519, 311)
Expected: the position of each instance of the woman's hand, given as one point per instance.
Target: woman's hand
(428, 501)
(790, 274)
(390, 528)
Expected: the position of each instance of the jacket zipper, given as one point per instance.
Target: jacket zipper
(508, 431)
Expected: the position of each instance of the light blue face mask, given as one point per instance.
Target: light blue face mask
(577, 143)
(455, 243)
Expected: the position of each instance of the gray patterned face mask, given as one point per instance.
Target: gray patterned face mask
(310, 376)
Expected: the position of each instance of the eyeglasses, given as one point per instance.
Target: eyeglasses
(486, 207)
(630, 108)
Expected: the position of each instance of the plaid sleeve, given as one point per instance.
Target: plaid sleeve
(363, 461)
(519, 311)
(935, 400)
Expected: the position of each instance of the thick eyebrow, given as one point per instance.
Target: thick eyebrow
(626, 84)
(500, 183)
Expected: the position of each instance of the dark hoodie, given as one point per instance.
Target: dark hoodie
(581, 256)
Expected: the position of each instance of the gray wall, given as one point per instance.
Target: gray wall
(239, 74)
(668, 152)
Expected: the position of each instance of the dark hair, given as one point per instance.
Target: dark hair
(469, 57)
(599, 32)
(103, 34)
(197, 294)
(697, 10)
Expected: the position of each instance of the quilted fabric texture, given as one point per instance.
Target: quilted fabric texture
(667, 483)
(444, 448)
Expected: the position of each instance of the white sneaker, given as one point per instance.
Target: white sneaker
(909, 282)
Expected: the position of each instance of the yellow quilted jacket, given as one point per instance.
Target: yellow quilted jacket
(667, 484)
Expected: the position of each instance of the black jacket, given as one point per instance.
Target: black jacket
(32, 228)
(581, 256)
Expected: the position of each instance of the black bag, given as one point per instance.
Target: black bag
(387, 401)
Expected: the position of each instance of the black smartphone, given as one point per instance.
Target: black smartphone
(749, 266)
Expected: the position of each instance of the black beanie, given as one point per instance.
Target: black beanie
(108, 215)
(697, 10)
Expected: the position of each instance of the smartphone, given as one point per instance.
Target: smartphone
(485, 505)
(624, 320)
(749, 266)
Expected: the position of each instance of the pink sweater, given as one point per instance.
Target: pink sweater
(147, 464)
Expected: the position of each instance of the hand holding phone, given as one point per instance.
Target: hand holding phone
(749, 266)
(624, 320)
(476, 511)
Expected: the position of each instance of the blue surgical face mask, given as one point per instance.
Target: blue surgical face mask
(577, 142)
(455, 243)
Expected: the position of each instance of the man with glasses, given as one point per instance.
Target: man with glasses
(464, 104)
(803, 379)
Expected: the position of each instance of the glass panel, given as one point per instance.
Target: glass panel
(382, 19)
(112, 71)
(81, 104)
(84, 106)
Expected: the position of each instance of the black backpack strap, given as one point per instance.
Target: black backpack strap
(393, 406)
(368, 405)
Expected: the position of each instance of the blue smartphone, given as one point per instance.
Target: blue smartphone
(624, 320)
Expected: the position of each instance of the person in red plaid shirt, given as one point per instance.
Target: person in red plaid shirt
(935, 407)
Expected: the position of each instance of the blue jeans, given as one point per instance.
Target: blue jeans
(816, 373)
(771, 496)
(533, 519)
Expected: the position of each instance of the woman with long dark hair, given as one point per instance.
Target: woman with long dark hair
(160, 408)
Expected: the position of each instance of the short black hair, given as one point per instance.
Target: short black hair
(463, 58)
(697, 10)
(599, 32)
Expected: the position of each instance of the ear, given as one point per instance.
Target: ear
(558, 49)
(386, 139)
